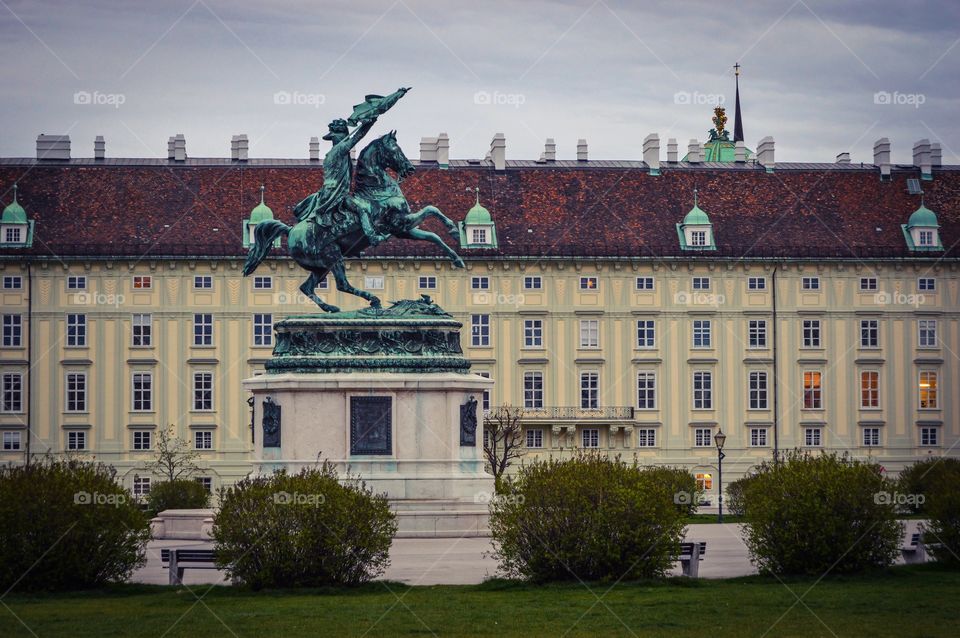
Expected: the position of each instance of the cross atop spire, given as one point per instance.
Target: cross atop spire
(736, 68)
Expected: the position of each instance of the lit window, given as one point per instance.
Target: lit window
(533, 390)
(203, 282)
(480, 283)
(14, 282)
(757, 333)
(203, 391)
(810, 283)
(142, 330)
(589, 333)
(532, 283)
(589, 390)
(757, 381)
(480, 331)
(263, 283)
(142, 282)
(704, 481)
(869, 389)
(929, 437)
(812, 391)
(11, 441)
(868, 284)
(12, 393)
(12, 331)
(928, 391)
(142, 440)
(871, 437)
(427, 283)
(756, 283)
(142, 399)
(811, 333)
(76, 330)
(646, 335)
(703, 437)
(203, 329)
(591, 437)
(589, 283)
(646, 437)
(533, 333)
(812, 437)
(701, 283)
(76, 394)
(702, 390)
(535, 438)
(927, 284)
(644, 283)
(701, 333)
(262, 329)
(76, 440)
(758, 437)
(203, 440)
(869, 333)
(647, 390)
(927, 333)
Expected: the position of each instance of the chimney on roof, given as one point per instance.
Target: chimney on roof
(843, 158)
(53, 147)
(443, 150)
(765, 153)
(672, 154)
(314, 149)
(936, 155)
(921, 157)
(881, 156)
(694, 155)
(739, 152)
(170, 148)
(582, 155)
(651, 153)
(99, 148)
(498, 151)
(239, 148)
(179, 148)
(549, 151)
(428, 149)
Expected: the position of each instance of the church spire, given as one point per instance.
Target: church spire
(737, 119)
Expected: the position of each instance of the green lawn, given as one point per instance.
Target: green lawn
(903, 601)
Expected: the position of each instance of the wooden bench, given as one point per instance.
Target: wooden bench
(690, 556)
(179, 560)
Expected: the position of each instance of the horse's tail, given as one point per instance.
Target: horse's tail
(264, 234)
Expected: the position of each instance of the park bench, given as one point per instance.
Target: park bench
(916, 551)
(178, 560)
(690, 556)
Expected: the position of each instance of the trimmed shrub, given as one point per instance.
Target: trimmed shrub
(67, 524)
(926, 477)
(733, 495)
(942, 507)
(814, 514)
(180, 494)
(589, 517)
(682, 484)
(302, 530)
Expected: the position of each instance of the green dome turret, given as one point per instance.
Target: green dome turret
(696, 216)
(14, 212)
(478, 214)
(477, 229)
(261, 212)
(923, 216)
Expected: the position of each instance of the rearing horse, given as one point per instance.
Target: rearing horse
(377, 210)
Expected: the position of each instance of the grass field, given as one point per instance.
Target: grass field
(902, 601)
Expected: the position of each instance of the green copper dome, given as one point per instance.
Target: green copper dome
(923, 216)
(696, 217)
(261, 212)
(478, 215)
(14, 212)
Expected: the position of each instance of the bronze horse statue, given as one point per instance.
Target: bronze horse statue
(375, 211)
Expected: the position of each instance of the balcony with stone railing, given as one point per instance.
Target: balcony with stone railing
(576, 413)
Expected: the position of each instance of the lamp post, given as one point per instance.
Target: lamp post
(720, 439)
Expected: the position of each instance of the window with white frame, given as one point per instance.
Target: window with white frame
(478, 236)
(810, 283)
(812, 437)
(647, 390)
(589, 283)
(929, 436)
(868, 284)
(485, 401)
(757, 333)
(203, 282)
(532, 333)
(644, 283)
(535, 438)
(142, 399)
(927, 284)
(703, 437)
(141, 486)
(12, 282)
(427, 282)
(646, 437)
(869, 389)
(142, 440)
(646, 334)
(76, 282)
(11, 441)
(202, 329)
(701, 333)
(480, 331)
(701, 283)
(206, 482)
(263, 282)
(758, 437)
(142, 330)
(869, 333)
(12, 393)
(480, 283)
(13, 235)
(812, 390)
(589, 333)
(697, 237)
(76, 394)
(757, 382)
(373, 282)
(533, 390)
(76, 330)
(532, 282)
(756, 283)
(811, 333)
(203, 440)
(590, 390)
(927, 333)
(142, 282)
(929, 390)
(262, 329)
(871, 437)
(925, 238)
(76, 440)
(203, 391)
(591, 437)
(12, 331)
(702, 390)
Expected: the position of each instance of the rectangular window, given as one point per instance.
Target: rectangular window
(141, 486)
(142, 399)
(203, 440)
(373, 282)
(203, 329)
(532, 283)
(757, 333)
(591, 437)
(756, 283)
(14, 282)
(702, 390)
(698, 238)
(206, 482)
(479, 236)
(203, 282)
(263, 283)
(427, 283)
(12, 331)
(76, 330)
(535, 438)
(533, 333)
(142, 330)
(868, 284)
(701, 333)
(76, 282)
(324, 283)
(142, 439)
(589, 333)
(11, 441)
(758, 390)
(646, 437)
(262, 329)
(927, 329)
(12, 392)
(925, 238)
(12, 235)
(533, 390)
(644, 283)
(76, 394)
(812, 391)
(929, 399)
(589, 283)
(646, 334)
(76, 440)
(703, 437)
(928, 437)
(812, 437)
(590, 390)
(871, 437)
(758, 437)
(811, 333)
(486, 393)
(647, 390)
(927, 284)
(869, 333)
(203, 391)
(810, 283)
(869, 389)
(480, 283)
(701, 283)
(480, 331)
(142, 282)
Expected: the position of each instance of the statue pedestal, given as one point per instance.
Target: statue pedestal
(381, 397)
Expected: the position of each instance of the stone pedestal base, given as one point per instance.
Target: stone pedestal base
(182, 525)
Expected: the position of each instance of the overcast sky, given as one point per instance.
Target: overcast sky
(820, 76)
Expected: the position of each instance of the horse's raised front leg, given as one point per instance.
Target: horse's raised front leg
(310, 285)
(426, 235)
(344, 286)
(433, 211)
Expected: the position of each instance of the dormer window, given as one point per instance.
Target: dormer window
(15, 228)
(695, 232)
(697, 237)
(477, 230)
(12, 235)
(478, 236)
(260, 213)
(925, 238)
(922, 231)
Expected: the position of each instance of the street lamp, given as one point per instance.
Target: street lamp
(720, 439)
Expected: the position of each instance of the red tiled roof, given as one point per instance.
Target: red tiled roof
(131, 209)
